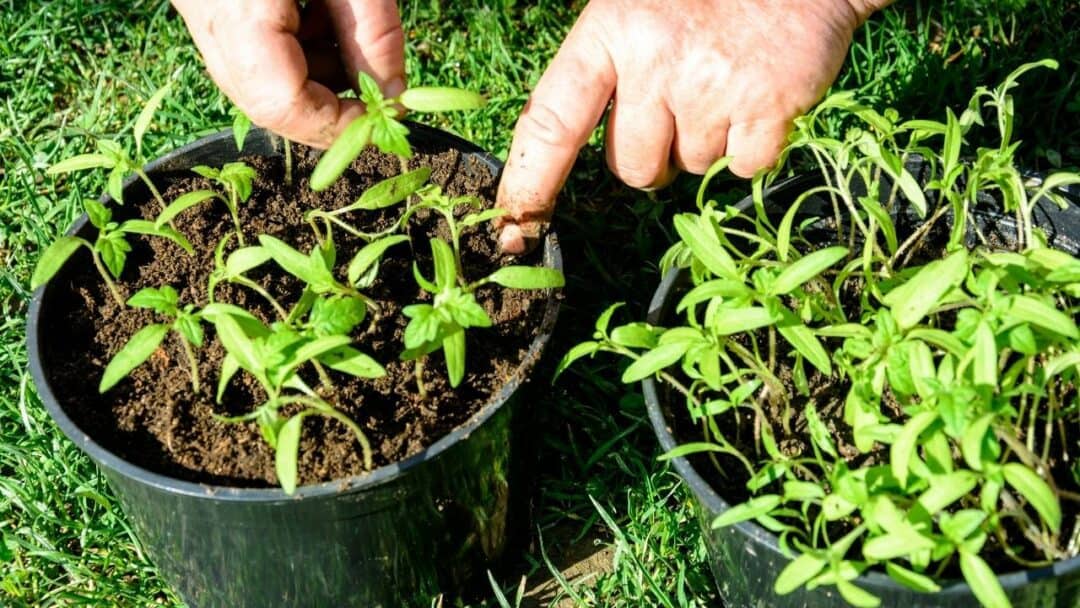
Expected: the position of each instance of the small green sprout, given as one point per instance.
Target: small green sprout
(241, 125)
(380, 125)
(185, 321)
(112, 155)
(442, 324)
(273, 355)
(233, 178)
(109, 251)
(316, 269)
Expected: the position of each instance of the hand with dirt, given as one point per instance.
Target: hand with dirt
(281, 65)
(691, 80)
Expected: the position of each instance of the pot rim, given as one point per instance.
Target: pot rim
(175, 161)
(705, 493)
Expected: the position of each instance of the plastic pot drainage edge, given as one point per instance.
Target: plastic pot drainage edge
(746, 558)
(395, 536)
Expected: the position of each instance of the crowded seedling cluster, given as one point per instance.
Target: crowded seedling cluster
(321, 328)
(897, 377)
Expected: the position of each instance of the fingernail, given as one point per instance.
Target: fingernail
(511, 240)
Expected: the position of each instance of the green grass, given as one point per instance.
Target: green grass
(78, 66)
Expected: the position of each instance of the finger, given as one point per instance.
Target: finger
(698, 146)
(255, 57)
(555, 123)
(756, 145)
(639, 136)
(369, 32)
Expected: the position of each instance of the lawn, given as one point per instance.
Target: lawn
(72, 67)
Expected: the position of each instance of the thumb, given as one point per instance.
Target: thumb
(560, 115)
(369, 33)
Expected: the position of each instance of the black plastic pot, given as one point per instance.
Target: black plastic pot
(396, 536)
(745, 558)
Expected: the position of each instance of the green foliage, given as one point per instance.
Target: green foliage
(380, 125)
(235, 180)
(186, 321)
(109, 250)
(949, 357)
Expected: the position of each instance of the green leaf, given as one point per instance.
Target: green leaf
(115, 185)
(453, 346)
(655, 360)
(370, 255)
(440, 99)
(716, 288)
(755, 507)
(974, 439)
(856, 596)
(901, 542)
(337, 315)
(240, 127)
(390, 191)
(798, 572)
(1034, 311)
(911, 579)
(1036, 492)
(181, 204)
(148, 228)
(686, 449)
(916, 297)
(947, 489)
(313, 349)
(138, 349)
(147, 114)
(99, 214)
(636, 335)
(53, 258)
(390, 136)
(903, 450)
(739, 320)
(984, 367)
(527, 277)
(369, 90)
(245, 259)
(287, 452)
(163, 300)
(80, 163)
(113, 250)
(350, 361)
(806, 268)
(584, 349)
(306, 268)
(237, 343)
(819, 433)
(705, 245)
(982, 580)
(484, 216)
(423, 326)
(188, 326)
(348, 145)
(806, 344)
(229, 367)
(445, 266)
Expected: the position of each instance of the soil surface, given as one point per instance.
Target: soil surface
(156, 420)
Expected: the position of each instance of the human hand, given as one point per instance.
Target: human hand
(281, 67)
(692, 81)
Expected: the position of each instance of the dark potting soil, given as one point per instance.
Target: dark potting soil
(154, 418)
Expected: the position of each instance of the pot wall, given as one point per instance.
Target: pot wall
(746, 559)
(396, 536)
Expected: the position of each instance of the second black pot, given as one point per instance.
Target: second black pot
(745, 558)
(396, 536)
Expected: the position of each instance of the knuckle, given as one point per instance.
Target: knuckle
(542, 123)
(635, 176)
